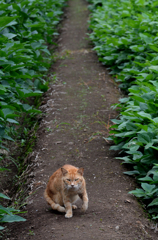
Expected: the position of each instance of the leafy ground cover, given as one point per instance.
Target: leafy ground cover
(125, 37)
(26, 27)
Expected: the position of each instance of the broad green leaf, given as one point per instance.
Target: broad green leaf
(154, 68)
(155, 83)
(117, 147)
(155, 120)
(144, 127)
(146, 179)
(131, 172)
(4, 210)
(131, 126)
(122, 125)
(154, 48)
(7, 21)
(27, 107)
(2, 88)
(9, 35)
(12, 121)
(126, 159)
(2, 131)
(46, 51)
(137, 48)
(148, 145)
(12, 218)
(154, 202)
(144, 115)
(4, 196)
(8, 137)
(147, 187)
(138, 192)
(145, 38)
(144, 138)
(7, 111)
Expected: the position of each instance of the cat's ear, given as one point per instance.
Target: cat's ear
(64, 171)
(80, 171)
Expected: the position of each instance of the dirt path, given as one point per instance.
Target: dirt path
(77, 117)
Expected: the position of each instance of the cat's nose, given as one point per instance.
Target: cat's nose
(72, 184)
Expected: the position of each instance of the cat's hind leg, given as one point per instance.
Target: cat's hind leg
(74, 206)
(57, 207)
(54, 206)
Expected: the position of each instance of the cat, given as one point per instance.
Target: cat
(65, 186)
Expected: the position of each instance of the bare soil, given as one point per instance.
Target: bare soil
(77, 119)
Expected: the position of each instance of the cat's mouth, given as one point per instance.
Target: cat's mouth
(73, 187)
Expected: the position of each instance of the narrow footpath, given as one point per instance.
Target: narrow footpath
(73, 130)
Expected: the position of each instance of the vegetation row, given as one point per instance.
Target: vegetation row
(26, 28)
(125, 34)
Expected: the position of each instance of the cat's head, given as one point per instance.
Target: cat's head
(72, 178)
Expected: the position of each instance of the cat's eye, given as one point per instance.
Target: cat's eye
(68, 180)
(76, 179)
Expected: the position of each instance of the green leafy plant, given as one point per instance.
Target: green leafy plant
(26, 29)
(125, 37)
(8, 215)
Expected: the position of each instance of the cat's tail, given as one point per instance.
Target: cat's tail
(54, 205)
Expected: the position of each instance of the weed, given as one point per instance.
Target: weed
(31, 233)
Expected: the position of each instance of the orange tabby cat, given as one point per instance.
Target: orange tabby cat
(65, 186)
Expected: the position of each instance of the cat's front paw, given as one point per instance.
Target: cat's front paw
(84, 207)
(68, 215)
